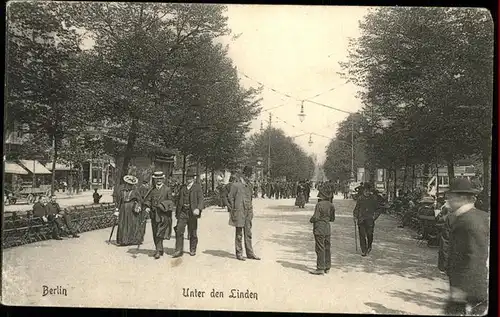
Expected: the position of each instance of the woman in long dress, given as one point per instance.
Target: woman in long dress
(131, 217)
(300, 201)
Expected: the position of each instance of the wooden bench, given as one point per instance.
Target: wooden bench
(20, 230)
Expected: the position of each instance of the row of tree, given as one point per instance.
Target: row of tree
(427, 80)
(97, 78)
(286, 158)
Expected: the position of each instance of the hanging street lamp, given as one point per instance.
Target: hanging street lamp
(302, 115)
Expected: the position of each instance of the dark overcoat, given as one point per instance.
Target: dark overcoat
(240, 202)
(39, 210)
(467, 262)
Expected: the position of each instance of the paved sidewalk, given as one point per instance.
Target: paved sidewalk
(398, 277)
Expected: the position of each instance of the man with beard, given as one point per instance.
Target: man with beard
(189, 207)
(241, 212)
(159, 204)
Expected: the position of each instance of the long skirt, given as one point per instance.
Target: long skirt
(131, 225)
(300, 201)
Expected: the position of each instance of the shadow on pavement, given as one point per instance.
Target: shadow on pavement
(421, 299)
(135, 251)
(381, 309)
(220, 253)
(394, 252)
(291, 265)
(149, 252)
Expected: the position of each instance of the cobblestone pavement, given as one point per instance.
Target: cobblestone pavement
(398, 277)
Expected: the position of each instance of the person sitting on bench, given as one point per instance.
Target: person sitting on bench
(58, 219)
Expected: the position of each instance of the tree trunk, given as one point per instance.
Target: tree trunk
(386, 179)
(132, 137)
(213, 180)
(395, 189)
(54, 159)
(413, 181)
(450, 163)
(437, 179)
(404, 177)
(426, 175)
(206, 178)
(486, 172)
(184, 168)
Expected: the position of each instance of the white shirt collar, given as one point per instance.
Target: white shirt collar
(465, 208)
(160, 186)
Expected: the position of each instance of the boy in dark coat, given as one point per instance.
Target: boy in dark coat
(324, 213)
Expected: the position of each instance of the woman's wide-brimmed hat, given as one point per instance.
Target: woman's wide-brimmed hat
(158, 174)
(130, 179)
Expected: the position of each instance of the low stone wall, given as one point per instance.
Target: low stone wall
(20, 230)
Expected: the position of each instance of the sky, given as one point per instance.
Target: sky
(296, 50)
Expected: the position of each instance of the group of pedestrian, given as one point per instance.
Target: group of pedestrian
(160, 203)
(59, 219)
(284, 189)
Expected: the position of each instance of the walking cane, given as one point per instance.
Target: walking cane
(356, 235)
(112, 230)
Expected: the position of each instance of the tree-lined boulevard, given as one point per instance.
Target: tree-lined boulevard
(398, 277)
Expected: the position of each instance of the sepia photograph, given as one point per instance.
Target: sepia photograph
(256, 158)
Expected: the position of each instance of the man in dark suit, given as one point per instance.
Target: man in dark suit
(59, 218)
(189, 207)
(467, 266)
(39, 208)
(159, 203)
(365, 213)
(241, 213)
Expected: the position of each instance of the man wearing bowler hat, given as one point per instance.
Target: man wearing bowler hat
(159, 204)
(467, 266)
(241, 213)
(365, 213)
(189, 206)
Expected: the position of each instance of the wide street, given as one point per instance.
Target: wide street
(398, 277)
(66, 199)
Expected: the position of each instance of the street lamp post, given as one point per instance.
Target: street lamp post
(302, 116)
(269, 150)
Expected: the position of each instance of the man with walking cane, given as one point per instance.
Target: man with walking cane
(365, 213)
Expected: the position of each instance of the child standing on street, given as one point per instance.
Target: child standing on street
(324, 213)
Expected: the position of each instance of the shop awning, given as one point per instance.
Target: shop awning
(59, 167)
(38, 168)
(14, 168)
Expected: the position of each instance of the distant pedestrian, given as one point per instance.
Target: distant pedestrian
(96, 196)
(467, 266)
(300, 201)
(324, 213)
(365, 213)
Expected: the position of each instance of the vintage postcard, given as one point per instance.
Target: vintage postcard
(247, 157)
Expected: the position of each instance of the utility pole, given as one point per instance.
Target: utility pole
(352, 150)
(269, 149)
